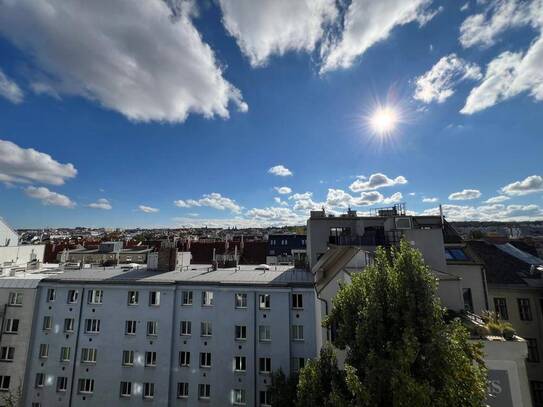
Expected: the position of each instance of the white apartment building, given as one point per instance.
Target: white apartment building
(197, 337)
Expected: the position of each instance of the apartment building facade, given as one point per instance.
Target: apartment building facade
(175, 338)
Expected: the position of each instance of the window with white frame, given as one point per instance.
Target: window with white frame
(11, 326)
(15, 299)
(44, 351)
(152, 328)
(69, 325)
(47, 323)
(297, 332)
(4, 383)
(186, 328)
(148, 390)
(72, 296)
(51, 295)
(62, 384)
(65, 354)
(88, 355)
(126, 389)
(239, 397)
(265, 398)
(186, 298)
(95, 296)
(240, 300)
(85, 386)
(154, 298)
(92, 326)
(7, 353)
(184, 358)
(297, 301)
(130, 327)
(128, 357)
(240, 363)
(204, 391)
(264, 301)
(205, 328)
(207, 298)
(264, 333)
(150, 359)
(241, 333)
(264, 365)
(205, 359)
(182, 390)
(40, 380)
(133, 297)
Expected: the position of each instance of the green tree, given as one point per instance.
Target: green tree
(283, 389)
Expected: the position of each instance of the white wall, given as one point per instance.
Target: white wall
(8, 237)
(21, 254)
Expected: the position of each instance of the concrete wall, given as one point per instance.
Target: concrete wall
(21, 254)
(8, 237)
(472, 276)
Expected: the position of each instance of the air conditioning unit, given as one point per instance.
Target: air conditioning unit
(403, 223)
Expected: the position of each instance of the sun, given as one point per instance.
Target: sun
(384, 120)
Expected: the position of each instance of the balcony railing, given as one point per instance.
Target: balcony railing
(368, 239)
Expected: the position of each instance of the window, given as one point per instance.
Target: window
(241, 333)
(456, 254)
(297, 301)
(150, 359)
(205, 359)
(186, 327)
(92, 326)
(184, 358)
(204, 391)
(65, 354)
(264, 365)
(154, 298)
(44, 351)
(207, 298)
(537, 393)
(524, 309)
(182, 390)
(468, 299)
(40, 380)
(51, 295)
(133, 297)
(15, 299)
(11, 326)
(239, 397)
(126, 389)
(128, 357)
(297, 332)
(264, 333)
(500, 306)
(205, 328)
(264, 301)
(36, 404)
(86, 386)
(4, 383)
(95, 296)
(240, 363)
(148, 390)
(72, 296)
(69, 324)
(297, 364)
(130, 328)
(533, 352)
(241, 300)
(272, 242)
(47, 323)
(62, 384)
(88, 355)
(187, 298)
(265, 398)
(152, 328)
(6, 353)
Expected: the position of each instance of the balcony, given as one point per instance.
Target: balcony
(380, 238)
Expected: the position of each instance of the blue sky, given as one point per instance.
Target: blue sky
(176, 113)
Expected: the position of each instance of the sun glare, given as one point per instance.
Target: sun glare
(383, 120)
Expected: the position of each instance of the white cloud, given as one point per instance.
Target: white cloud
(147, 209)
(529, 185)
(25, 165)
(497, 199)
(375, 181)
(429, 199)
(280, 201)
(277, 215)
(283, 190)
(101, 203)
(212, 200)
(368, 22)
(151, 66)
(394, 198)
(465, 195)
(274, 27)
(280, 171)
(439, 82)
(10, 90)
(495, 212)
(48, 197)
